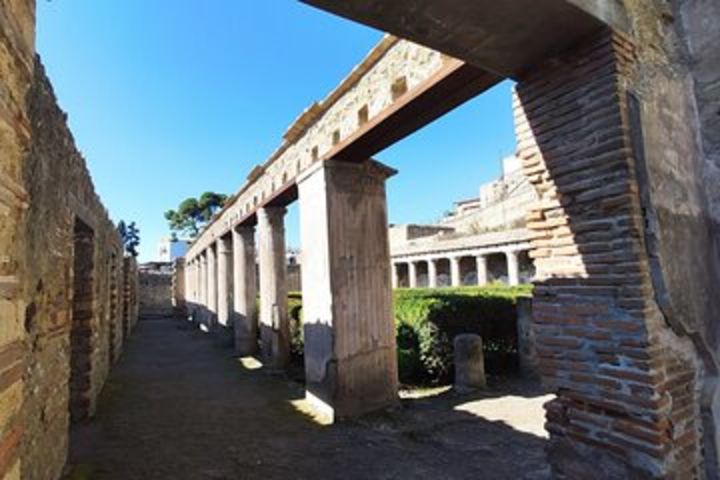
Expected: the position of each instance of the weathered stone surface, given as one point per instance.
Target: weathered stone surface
(245, 291)
(469, 362)
(274, 322)
(80, 295)
(156, 293)
(527, 353)
(350, 360)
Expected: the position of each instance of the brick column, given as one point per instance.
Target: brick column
(481, 263)
(432, 273)
(412, 274)
(350, 361)
(274, 326)
(455, 280)
(245, 290)
(627, 404)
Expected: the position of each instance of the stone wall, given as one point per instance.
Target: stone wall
(74, 278)
(156, 294)
(64, 287)
(17, 45)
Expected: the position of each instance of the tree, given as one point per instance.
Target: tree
(130, 235)
(192, 213)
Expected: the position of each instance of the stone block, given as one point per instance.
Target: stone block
(469, 363)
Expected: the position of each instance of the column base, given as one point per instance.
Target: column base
(246, 346)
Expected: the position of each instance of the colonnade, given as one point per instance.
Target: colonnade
(481, 267)
(349, 334)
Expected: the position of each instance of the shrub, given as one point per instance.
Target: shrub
(436, 316)
(427, 321)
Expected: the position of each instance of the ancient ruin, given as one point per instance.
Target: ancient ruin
(615, 108)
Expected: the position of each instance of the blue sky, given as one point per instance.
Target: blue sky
(168, 99)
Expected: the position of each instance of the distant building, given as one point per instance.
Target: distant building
(482, 240)
(171, 248)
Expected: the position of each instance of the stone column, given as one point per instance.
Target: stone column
(224, 253)
(244, 291)
(455, 271)
(274, 324)
(432, 273)
(512, 267)
(203, 313)
(395, 276)
(481, 262)
(212, 290)
(350, 361)
(412, 274)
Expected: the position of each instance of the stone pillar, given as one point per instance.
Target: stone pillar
(244, 291)
(455, 271)
(432, 273)
(212, 291)
(395, 276)
(203, 313)
(512, 267)
(482, 277)
(350, 361)
(224, 253)
(180, 286)
(274, 323)
(412, 274)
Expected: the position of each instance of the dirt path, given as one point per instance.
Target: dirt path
(178, 406)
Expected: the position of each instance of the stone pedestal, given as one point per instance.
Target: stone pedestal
(481, 263)
(513, 268)
(244, 291)
(350, 361)
(469, 363)
(527, 353)
(274, 325)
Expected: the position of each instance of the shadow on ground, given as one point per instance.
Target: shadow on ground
(179, 406)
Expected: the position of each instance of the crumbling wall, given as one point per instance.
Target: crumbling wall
(156, 294)
(73, 277)
(17, 46)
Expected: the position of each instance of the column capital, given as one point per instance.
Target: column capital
(245, 230)
(223, 245)
(272, 214)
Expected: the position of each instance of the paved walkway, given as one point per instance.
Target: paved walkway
(179, 406)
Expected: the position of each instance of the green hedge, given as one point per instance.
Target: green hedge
(427, 321)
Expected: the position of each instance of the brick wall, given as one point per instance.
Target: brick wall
(627, 391)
